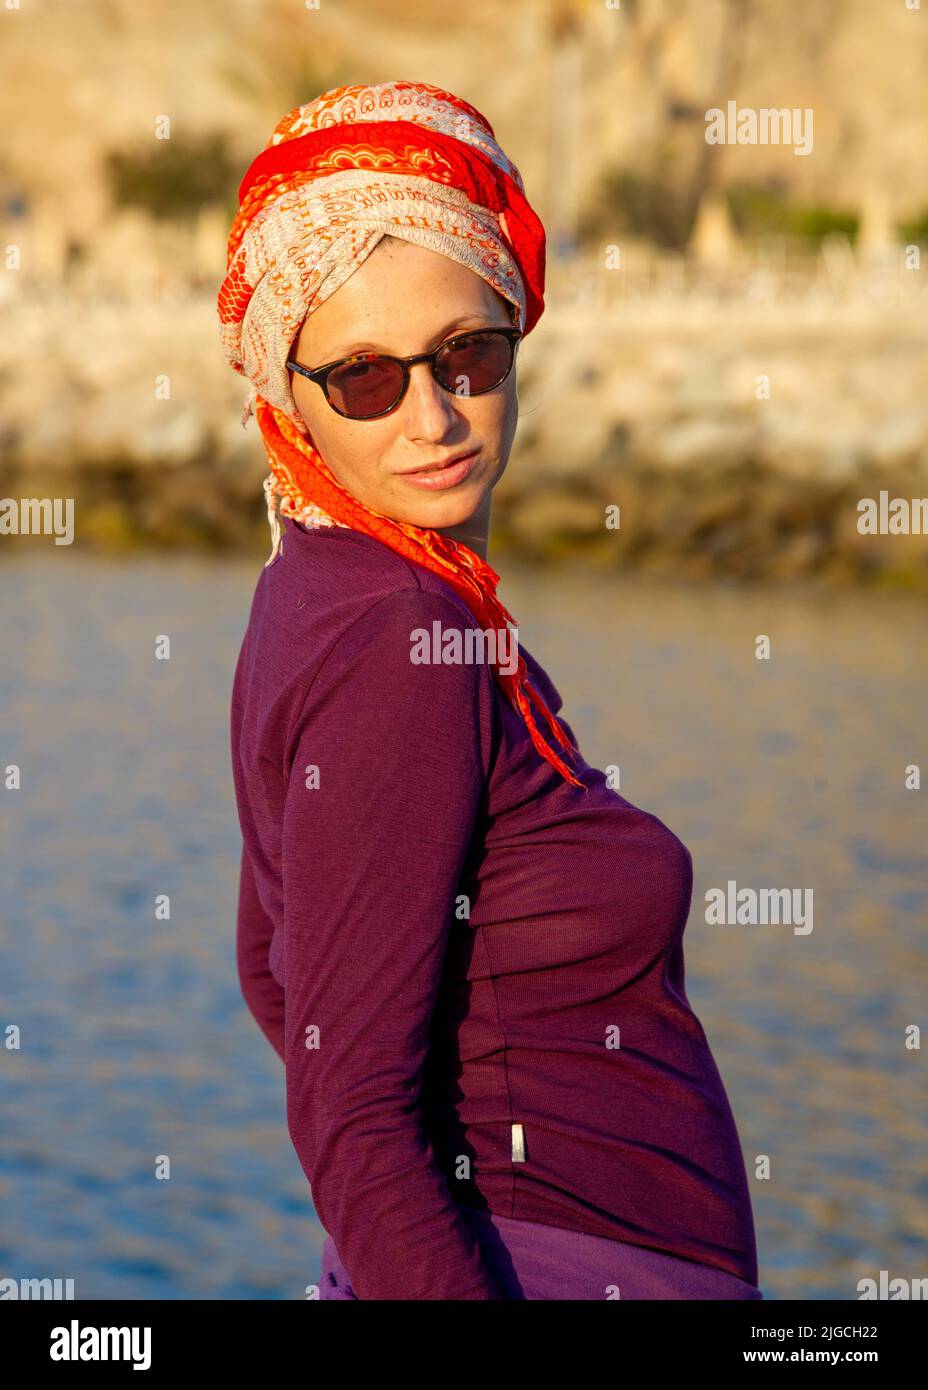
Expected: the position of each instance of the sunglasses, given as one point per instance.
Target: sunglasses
(370, 384)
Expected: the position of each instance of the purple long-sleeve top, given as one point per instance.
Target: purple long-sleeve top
(471, 969)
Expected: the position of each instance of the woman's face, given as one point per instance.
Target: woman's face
(406, 299)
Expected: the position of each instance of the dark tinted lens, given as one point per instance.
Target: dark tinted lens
(365, 388)
(475, 363)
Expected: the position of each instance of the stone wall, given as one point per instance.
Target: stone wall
(735, 438)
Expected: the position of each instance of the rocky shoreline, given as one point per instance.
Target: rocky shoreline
(740, 443)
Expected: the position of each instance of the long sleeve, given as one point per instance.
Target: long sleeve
(254, 928)
(373, 849)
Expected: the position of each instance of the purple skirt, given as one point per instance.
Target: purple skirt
(533, 1261)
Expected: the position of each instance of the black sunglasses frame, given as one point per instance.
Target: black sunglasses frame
(320, 374)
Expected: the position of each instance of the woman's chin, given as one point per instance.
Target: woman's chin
(438, 511)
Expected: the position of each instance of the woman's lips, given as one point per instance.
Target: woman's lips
(440, 478)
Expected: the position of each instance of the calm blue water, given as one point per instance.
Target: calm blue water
(136, 1042)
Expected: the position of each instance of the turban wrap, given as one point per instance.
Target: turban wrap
(408, 160)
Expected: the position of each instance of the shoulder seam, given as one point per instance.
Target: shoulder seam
(421, 587)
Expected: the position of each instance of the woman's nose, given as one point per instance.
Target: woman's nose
(428, 406)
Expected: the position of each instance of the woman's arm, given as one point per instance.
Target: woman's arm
(254, 929)
(373, 850)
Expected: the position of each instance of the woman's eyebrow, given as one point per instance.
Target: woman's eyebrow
(379, 347)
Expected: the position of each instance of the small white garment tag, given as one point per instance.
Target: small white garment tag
(518, 1144)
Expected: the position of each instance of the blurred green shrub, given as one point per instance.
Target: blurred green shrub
(915, 231)
(174, 178)
(659, 207)
(762, 209)
(651, 205)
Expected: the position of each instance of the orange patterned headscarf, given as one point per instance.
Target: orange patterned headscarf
(408, 160)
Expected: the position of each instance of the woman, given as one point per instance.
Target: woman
(464, 946)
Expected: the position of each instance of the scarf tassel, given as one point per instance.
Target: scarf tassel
(518, 690)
